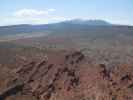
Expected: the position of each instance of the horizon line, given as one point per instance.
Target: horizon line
(114, 24)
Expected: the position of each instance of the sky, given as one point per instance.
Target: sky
(51, 11)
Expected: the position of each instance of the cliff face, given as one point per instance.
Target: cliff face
(68, 75)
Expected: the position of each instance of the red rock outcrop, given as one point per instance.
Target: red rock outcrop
(68, 76)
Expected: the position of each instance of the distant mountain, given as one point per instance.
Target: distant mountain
(76, 26)
(25, 28)
(88, 22)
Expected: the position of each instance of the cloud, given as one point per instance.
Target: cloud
(31, 16)
(32, 12)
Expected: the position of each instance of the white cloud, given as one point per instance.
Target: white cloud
(32, 12)
(31, 16)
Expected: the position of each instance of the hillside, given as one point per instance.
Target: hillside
(111, 44)
(13, 55)
(67, 75)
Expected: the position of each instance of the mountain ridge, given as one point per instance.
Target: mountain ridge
(73, 21)
(75, 26)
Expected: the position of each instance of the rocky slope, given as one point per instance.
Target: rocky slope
(67, 75)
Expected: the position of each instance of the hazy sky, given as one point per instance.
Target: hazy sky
(49, 11)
